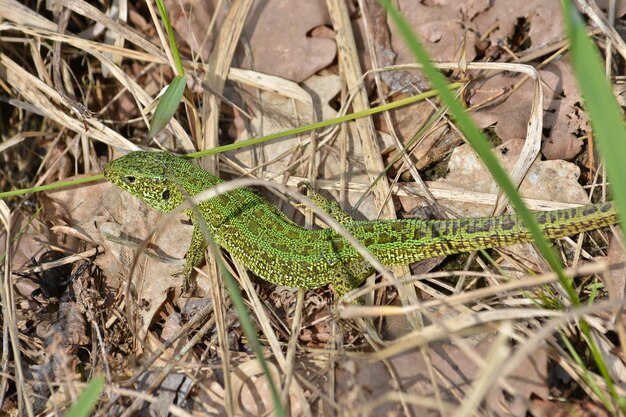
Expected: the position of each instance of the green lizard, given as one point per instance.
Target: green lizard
(269, 244)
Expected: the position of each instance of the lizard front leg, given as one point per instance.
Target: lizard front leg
(195, 256)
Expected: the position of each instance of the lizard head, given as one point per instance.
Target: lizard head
(147, 175)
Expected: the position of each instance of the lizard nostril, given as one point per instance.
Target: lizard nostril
(166, 195)
(130, 178)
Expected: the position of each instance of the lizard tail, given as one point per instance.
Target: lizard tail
(406, 241)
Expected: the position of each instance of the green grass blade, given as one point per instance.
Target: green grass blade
(178, 62)
(168, 103)
(85, 404)
(53, 186)
(325, 123)
(586, 375)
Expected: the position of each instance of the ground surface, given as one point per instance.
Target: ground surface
(483, 334)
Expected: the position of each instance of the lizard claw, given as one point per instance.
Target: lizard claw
(189, 284)
(189, 287)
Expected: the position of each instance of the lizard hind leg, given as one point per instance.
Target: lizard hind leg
(341, 287)
(330, 207)
(354, 272)
(351, 277)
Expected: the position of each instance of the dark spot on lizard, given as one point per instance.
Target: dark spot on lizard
(418, 234)
(554, 217)
(486, 226)
(435, 229)
(337, 247)
(397, 226)
(280, 247)
(541, 218)
(129, 179)
(606, 207)
(367, 227)
(254, 228)
(385, 238)
(369, 241)
(268, 256)
(165, 195)
(590, 210)
(507, 223)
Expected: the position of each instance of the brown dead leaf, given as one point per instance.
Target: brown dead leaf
(451, 30)
(439, 25)
(442, 27)
(287, 38)
(156, 264)
(211, 399)
(251, 390)
(191, 20)
(432, 147)
(509, 116)
(504, 21)
(58, 163)
(120, 223)
(31, 243)
(280, 44)
(408, 119)
(564, 120)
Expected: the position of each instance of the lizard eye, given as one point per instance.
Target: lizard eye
(129, 179)
(166, 195)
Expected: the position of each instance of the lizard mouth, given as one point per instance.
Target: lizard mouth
(111, 174)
